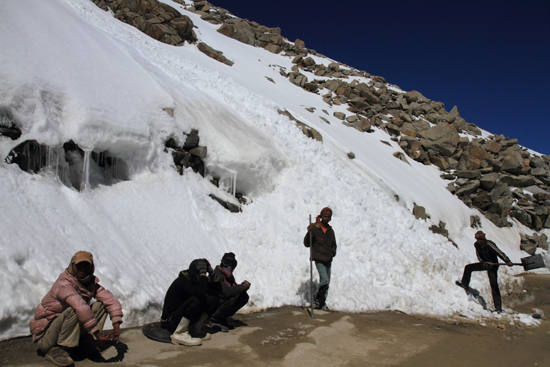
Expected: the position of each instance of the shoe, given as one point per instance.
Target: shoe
(222, 324)
(185, 339)
(59, 357)
(460, 284)
(316, 305)
(325, 308)
(206, 337)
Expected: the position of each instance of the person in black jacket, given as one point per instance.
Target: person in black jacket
(187, 303)
(232, 296)
(323, 250)
(487, 254)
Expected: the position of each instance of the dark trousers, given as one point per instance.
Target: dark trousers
(229, 307)
(493, 280)
(192, 309)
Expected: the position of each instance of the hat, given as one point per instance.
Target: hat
(326, 210)
(228, 259)
(81, 256)
(480, 235)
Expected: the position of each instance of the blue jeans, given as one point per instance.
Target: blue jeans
(321, 292)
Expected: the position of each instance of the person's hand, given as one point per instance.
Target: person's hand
(510, 264)
(310, 228)
(102, 340)
(246, 285)
(115, 334)
(487, 265)
(209, 268)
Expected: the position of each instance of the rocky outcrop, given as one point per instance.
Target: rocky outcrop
(158, 20)
(216, 55)
(253, 34)
(188, 154)
(306, 129)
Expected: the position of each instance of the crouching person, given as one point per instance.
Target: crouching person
(65, 314)
(187, 304)
(233, 296)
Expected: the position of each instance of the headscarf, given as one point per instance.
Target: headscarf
(77, 258)
(325, 210)
(480, 235)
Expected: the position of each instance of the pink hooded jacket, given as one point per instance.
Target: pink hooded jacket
(66, 292)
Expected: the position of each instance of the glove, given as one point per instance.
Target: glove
(487, 265)
(209, 268)
(246, 285)
(202, 267)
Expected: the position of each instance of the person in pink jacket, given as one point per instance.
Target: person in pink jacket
(65, 313)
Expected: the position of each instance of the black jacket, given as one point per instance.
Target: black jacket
(489, 252)
(323, 244)
(180, 291)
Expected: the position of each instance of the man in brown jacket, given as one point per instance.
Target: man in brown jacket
(323, 250)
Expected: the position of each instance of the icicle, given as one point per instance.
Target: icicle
(85, 184)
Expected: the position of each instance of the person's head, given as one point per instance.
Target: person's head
(196, 267)
(480, 236)
(82, 266)
(326, 215)
(229, 259)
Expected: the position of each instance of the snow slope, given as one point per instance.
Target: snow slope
(72, 71)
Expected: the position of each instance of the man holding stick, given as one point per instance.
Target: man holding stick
(323, 250)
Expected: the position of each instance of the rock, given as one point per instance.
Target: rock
(11, 132)
(517, 181)
(351, 155)
(199, 151)
(238, 29)
(299, 43)
(419, 212)
(214, 54)
(306, 129)
(233, 208)
(440, 229)
(512, 162)
(487, 182)
(468, 188)
(440, 162)
(469, 174)
(340, 115)
(442, 138)
(414, 96)
(475, 221)
(473, 157)
(401, 156)
(192, 140)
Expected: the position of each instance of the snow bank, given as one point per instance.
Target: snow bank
(90, 78)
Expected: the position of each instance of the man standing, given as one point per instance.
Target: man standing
(487, 254)
(65, 316)
(323, 250)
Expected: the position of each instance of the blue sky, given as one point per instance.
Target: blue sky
(489, 58)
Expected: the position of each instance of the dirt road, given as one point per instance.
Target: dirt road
(287, 336)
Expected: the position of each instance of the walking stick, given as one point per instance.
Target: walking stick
(311, 267)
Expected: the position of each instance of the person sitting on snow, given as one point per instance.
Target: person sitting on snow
(487, 254)
(233, 296)
(323, 250)
(187, 304)
(65, 315)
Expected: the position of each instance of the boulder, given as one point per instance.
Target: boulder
(468, 188)
(473, 157)
(517, 181)
(492, 146)
(419, 212)
(216, 55)
(442, 138)
(340, 115)
(439, 162)
(487, 182)
(512, 162)
(238, 29)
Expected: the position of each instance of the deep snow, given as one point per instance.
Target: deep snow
(72, 71)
